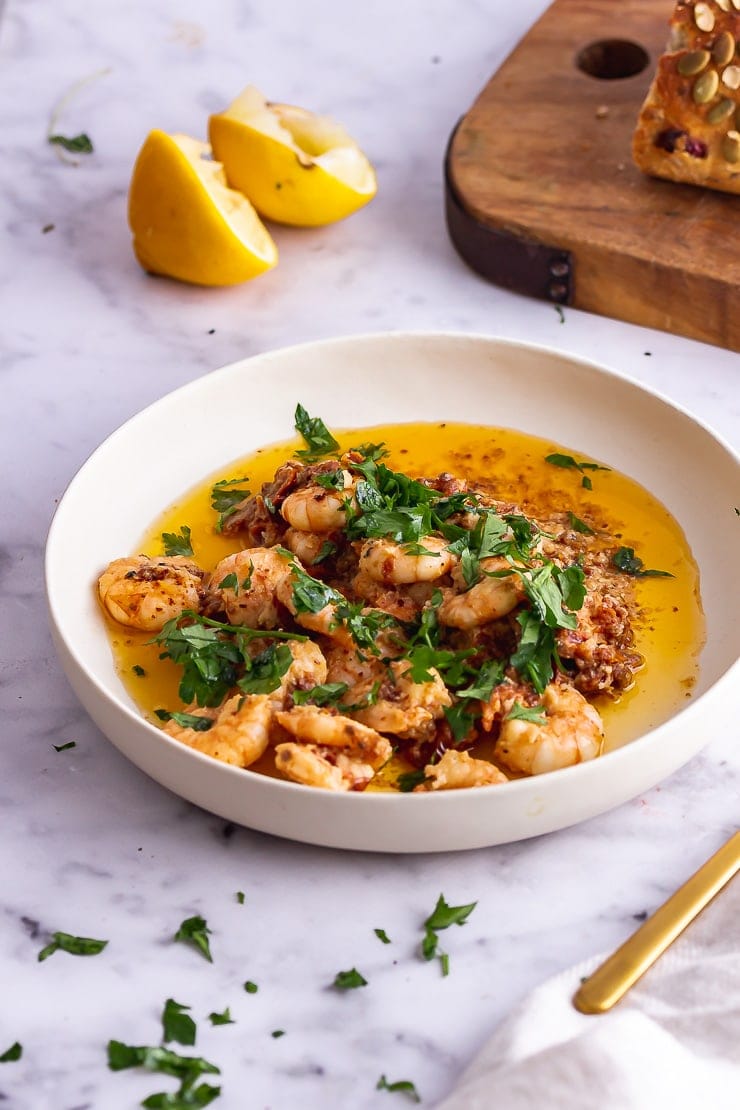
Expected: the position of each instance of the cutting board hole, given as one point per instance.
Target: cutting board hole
(610, 59)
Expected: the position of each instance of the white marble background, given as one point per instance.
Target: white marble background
(87, 844)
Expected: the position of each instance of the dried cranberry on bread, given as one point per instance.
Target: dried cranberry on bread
(689, 125)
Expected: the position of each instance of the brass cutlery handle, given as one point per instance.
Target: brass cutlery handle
(620, 971)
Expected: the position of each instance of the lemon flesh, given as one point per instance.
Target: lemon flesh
(187, 223)
(295, 167)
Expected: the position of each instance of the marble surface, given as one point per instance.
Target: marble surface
(88, 845)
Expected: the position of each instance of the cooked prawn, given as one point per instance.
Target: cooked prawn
(457, 770)
(572, 732)
(488, 600)
(309, 547)
(244, 586)
(314, 508)
(400, 564)
(315, 766)
(143, 592)
(239, 734)
(406, 709)
(333, 751)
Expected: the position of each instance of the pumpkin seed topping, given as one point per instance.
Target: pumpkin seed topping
(723, 50)
(693, 62)
(705, 86)
(731, 77)
(704, 17)
(731, 146)
(721, 111)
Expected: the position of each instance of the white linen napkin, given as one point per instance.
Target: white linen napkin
(673, 1041)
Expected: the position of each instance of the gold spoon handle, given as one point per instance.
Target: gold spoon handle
(620, 971)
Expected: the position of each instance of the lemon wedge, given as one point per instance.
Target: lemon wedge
(187, 223)
(296, 167)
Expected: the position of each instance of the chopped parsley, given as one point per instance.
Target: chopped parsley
(186, 720)
(177, 1025)
(382, 936)
(76, 144)
(535, 713)
(349, 980)
(625, 560)
(76, 946)
(138, 670)
(64, 747)
(250, 987)
(317, 437)
(240, 897)
(188, 1069)
(177, 543)
(11, 1054)
(195, 931)
(226, 496)
(569, 463)
(224, 1018)
(442, 917)
(403, 1086)
(407, 780)
(277, 1033)
(579, 525)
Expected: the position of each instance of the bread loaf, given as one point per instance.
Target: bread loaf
(689, 125)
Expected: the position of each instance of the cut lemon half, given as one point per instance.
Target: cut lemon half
(296, 167)
(187, 222)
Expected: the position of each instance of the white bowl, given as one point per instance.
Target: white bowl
(177, 442)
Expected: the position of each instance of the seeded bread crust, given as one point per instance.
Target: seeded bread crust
(688, 129)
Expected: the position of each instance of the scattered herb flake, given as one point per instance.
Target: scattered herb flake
(534, 713)
(194, 930)
(579, 525)
(349, 980)
(13, 1053)
(625, 560)
(186, 1097)
(192, 721)
(559, 309)
(407, 780)
(317, 437)
(177, 543)
(226, 495)
(443, 915)
(75, 946)
(277, 1033)
(250, 987)
(138, 670)
(569, 463)
(382, 936)
(64, 747)
(47, 228)
(77, 144)
(240, 897)
(403, 1086)
(176, 1024)
(224, 1018)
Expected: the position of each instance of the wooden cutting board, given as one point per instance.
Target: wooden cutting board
(543, 198)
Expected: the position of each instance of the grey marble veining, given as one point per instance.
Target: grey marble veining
(88, 845)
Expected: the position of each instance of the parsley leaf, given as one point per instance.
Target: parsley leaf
(533, 659)
(568, 462)
(194, 930)
(382, 936)
(250, 987)
(138, 670)
(310, 595)
(13, 1053)
(349, 980)
(187, 720)
(534, 713)
(625, 560)
(317, 437)
(407, 780)
(76, 946)
(404, 1086)
(77, 144)
(226, 496)
(579, 525)
(442, 916)
(176, 1024)
(177, 543)
(266, 670)
(277, 1033)
(221, 1019)
(240, 897)
(187, 1097)
(64, 747)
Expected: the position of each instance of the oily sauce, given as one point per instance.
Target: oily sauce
(669, 629)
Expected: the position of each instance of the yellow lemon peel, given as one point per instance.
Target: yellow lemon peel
(186, 221)
(295, 167)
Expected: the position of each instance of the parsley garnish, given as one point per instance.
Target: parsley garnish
(176, 1024)
(250, 987)
(194, 930)
(177, 543)
(441, 917)
(317, 437)
(76, 946)
(186, 720)
(537, 650)
(138, 670)
(240, 897)
(407, 780)
(535, 713)
(224, 1018)
(349, 980)
(278, 1033)
(625, 560)
(382, 936)
(230, 582)
(187, 1069)
(266, 670)
(64, 747)
(13, 1053)
(569, 463)
(373, 451)
(226, 495)
(77, 144)
(579, 525)
(405, 1086)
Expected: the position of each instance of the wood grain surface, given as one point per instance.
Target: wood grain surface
(544, 157)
